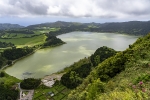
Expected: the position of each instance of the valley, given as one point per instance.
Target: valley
(78, 45)
(74, 50)
(66, 48)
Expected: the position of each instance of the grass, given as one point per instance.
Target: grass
(16, 35)
(134, 82)
(131, 83)
(45, 30)
(1, 50)
(19, 41)
(54, 29)
(59, 91)
(9, 80)
(26, 41)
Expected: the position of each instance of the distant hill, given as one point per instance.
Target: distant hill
(132, 27)
(4, 26)
(57, 24)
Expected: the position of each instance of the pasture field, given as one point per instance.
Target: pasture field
(9, 80)
(36, 40)
(45, 30)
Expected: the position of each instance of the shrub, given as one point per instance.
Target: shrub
(142, 78)
(30, 83)
(2, 74)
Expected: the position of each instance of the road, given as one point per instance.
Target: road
(27, 96)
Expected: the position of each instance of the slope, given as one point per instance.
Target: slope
(125, 76)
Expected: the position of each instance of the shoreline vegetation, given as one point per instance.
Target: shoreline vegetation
(14, 61)
(53, 45)
(42, 47)
(50, 42)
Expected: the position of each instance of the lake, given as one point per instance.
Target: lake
(79, 45)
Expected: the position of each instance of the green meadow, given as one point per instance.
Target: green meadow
(36, 40)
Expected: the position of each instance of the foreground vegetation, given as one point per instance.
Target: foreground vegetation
(79, 70)
(124, 76)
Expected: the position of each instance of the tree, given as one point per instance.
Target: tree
(30, 83)
(71, 79)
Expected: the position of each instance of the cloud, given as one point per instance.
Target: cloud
(76, 8)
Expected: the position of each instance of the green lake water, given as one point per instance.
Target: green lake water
(79, 45)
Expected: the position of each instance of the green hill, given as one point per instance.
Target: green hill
(78, 71)
(125, 76)
(131, 27)
(4, 26)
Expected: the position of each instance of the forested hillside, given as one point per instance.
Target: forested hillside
(8, 55)
(132, 27)
(79, 70)
(125, 76)
(3, 61)
(52, 41)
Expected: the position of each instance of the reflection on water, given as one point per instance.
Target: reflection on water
(79, 45)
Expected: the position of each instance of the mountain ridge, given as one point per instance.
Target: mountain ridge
(131, 27)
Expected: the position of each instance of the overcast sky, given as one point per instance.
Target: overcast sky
(26, 12)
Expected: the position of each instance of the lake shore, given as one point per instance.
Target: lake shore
(14, 61)
(79, 45)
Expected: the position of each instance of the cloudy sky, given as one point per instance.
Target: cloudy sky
(26, 12)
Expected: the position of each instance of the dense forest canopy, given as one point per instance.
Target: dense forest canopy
(5, 45)
(8, 55)
(15, 53)
(30, 83)
(3, 61)
(7, 93)
(53, 41)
